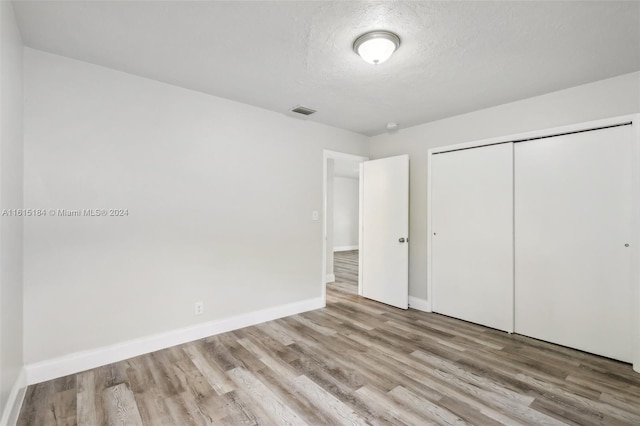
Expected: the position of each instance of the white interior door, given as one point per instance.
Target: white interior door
(384, 247)
(572, 221)
(472, 235)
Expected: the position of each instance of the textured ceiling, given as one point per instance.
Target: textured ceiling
(455, 57)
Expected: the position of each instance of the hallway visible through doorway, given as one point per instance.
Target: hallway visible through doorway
(346, 271)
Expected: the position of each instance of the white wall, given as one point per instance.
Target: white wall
(219, 195)
(602, 99)
(10, 198)
(345, 213)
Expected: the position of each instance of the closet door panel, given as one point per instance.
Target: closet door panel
(472, 241)
(572, 221)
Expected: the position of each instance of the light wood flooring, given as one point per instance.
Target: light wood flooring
(354, 362)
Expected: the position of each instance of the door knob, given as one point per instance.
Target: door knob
(401, 240)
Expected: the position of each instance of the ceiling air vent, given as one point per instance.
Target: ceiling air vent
(303, 110)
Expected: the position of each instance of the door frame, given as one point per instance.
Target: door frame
(326, 156)
(635, 201)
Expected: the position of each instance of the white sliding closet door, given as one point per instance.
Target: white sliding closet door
(472, 240)
(572, 221)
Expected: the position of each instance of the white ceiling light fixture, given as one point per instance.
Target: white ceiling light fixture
(375, 47)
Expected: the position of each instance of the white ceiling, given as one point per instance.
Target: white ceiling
(455, 57)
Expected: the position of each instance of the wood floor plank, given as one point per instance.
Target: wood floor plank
(583, 403)
(413, 370)
(278, 411)
(335, 408)
(566, 413)
(466, 412)
(240, 410)
(87, 415)
(621, 403)
(287, 391)
(214, 375)
(219, 353)
(446, 369)
(427, 409)
(64, 407)
(199, 398)
(120, 406)
(278, 350)
(276, 332)
(45, 414)
(153, 408)
(90, 411)
(391, 409)
(346, 320)
(356, 361)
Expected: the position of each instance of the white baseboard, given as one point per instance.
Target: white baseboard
(329, 278)
(419, 304)
(11, 409)
(86, 360)
(346, 248)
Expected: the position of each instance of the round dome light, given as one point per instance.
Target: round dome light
(375, 47)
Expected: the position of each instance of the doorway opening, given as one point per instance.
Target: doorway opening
(341, 220)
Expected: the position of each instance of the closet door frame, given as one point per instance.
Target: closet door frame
(635, 200)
